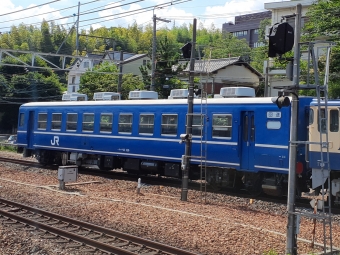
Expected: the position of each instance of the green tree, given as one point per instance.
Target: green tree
(229, 46)
(328, 28)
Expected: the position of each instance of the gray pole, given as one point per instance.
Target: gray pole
(291, 246)
(185, 171)
(120, 76)
(152, 87)
(266, 80)
(77, 39)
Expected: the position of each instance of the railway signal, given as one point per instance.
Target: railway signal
(282, 101)
(281, 39)
(186, 50)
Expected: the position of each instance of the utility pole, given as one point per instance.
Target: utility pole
(186, 158)
(291, 245)
(120, 76)
(77, 39)
(154, 46)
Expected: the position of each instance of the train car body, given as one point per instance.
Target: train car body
(240, 140)
(321, 126)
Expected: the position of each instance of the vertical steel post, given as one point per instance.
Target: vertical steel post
(185, 171)
(120, 76)
(153, 67)
(77, 39)
(291, 246)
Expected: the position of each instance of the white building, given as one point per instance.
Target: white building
(131, 63)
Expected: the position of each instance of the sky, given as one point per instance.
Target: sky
(107, 13)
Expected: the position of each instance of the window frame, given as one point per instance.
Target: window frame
(228, 127)
(42, 121)
(125, 123)
(199, 127)
(54, 121)
(148, 124)
(109, 124)
(68, 122)
(333, 124)
(87, 124)
(21, 119)
(169, 125)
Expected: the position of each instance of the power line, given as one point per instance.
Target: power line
(29, 8)
(83, 13)
(50, 12)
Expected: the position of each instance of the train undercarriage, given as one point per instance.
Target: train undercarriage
(273, 184)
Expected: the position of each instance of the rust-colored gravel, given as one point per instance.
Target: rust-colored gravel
(225, 225)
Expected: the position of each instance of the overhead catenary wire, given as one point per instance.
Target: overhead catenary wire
(29, 8)
(40, 14)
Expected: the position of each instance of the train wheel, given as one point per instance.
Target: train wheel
(253, 184)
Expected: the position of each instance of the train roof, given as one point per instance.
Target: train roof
(332, 102)
(254, 100)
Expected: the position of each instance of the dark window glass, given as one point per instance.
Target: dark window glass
(106, 122)
(125, 123)
(323, 122)
(56, 121)
(334, 121)
(222, 125)
(22, 120)
(42, 121)
(88, 122)
(311, 116)
(146, 123)
(72, 119)
(169, 124)
(197, 124)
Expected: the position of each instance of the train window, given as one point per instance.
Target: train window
(197, 124)
(22, 120)
(56, 121)
(125, 123)
(72, 119)
(88, 122)
(169, 124)
(323, 122)
(311, 116)
(222, 125)
(106, 122)
(146, 123)
(273, 124)
(334, 121)
(42, 121)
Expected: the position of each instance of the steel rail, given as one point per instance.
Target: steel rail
(81, 239)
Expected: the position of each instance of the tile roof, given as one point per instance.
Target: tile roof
(209, 66)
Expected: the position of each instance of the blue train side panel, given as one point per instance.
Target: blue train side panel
(247, 135)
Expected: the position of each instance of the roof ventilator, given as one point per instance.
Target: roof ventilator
(74, 97)
(143, 94)
(237, 92)
(104, 96)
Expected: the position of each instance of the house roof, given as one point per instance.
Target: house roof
(127, 57)
(204, 66)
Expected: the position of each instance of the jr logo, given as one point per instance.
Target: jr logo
(55, 140)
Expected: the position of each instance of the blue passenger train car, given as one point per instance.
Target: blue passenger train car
(245, 141)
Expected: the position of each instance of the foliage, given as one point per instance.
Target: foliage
(21, 88)
(228, 46)
(326, 28)
(105, 79)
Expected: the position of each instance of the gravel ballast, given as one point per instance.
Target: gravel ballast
(225, 225)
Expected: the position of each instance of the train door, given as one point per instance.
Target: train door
(247, 140)
(30, 129)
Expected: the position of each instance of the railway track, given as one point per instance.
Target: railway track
(80, 235)
(152, 180)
